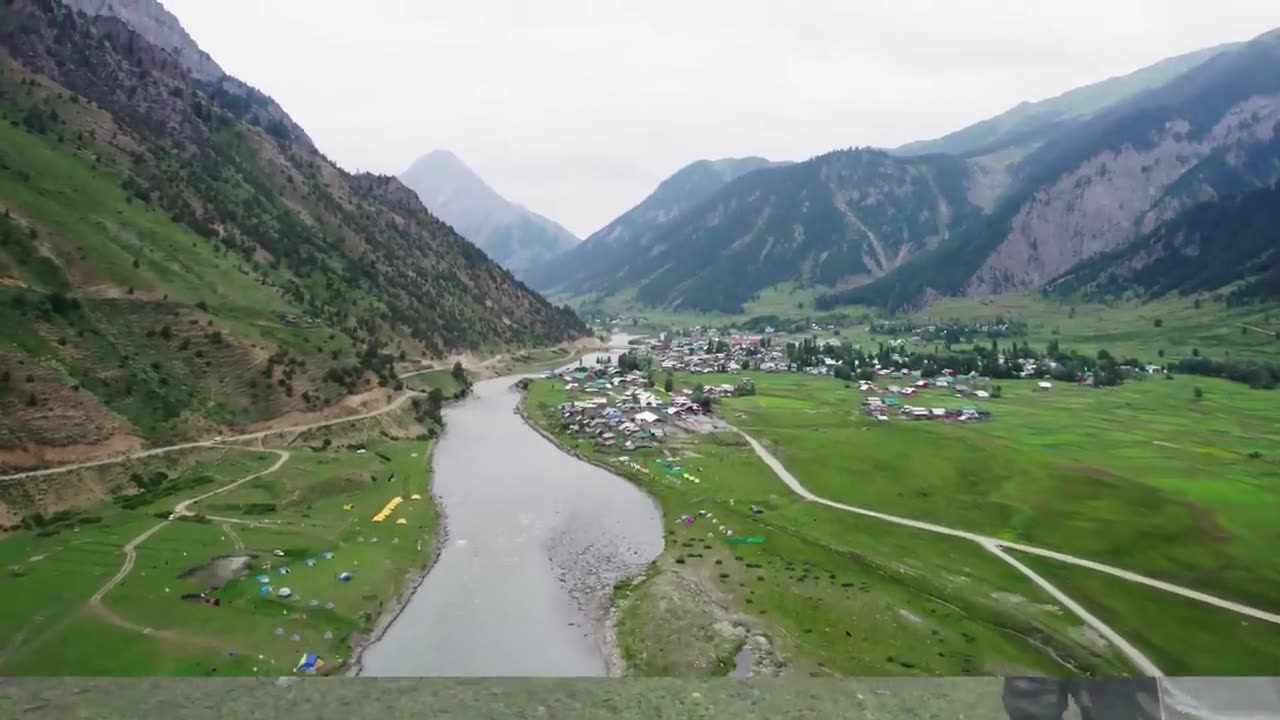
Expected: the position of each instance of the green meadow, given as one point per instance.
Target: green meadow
(320, 503)
(834, 594)
(1144, 476)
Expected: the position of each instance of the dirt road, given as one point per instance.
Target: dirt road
(998, 547)
(131, 548)
(395, 404)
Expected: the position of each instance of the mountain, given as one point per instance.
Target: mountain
(1032, 122)
(176, 257)
(1100, 183)
(603, 260)
(512, 235)
(1212, 245)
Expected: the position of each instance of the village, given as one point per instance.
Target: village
(630, 407)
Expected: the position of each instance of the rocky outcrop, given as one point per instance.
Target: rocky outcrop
(1115, 196)
(159, 27)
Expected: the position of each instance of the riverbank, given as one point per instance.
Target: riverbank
(415, 580)
(607, 624)
(828, 595)
(536, 541)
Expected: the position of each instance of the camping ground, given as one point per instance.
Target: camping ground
(51, 625)
(1145, 476)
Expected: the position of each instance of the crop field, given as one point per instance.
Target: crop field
(299, 528)
(1143, 476)
(836, 596)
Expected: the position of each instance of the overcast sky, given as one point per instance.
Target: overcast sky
(578, 108)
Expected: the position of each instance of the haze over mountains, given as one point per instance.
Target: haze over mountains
(514, 236)
(1009, 204)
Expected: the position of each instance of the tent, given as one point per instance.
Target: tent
(309, 663)
(284, 592)
(402, 521)
(344, 577)
(264, 589)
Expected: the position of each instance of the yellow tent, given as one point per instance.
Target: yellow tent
(402, 521)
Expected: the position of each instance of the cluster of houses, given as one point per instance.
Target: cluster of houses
(624, 413)
(901, 400)
(706, 354)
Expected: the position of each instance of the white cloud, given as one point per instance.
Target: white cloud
(578, 108)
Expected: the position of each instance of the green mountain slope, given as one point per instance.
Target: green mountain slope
(840, 218)
(601, 263)
(175, 255)
(1032, 122)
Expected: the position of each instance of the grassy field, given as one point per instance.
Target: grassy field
(1129, 329)
(428, 381)
(1142, 475)
(50, 627)
(835, 595)
(1181, 636)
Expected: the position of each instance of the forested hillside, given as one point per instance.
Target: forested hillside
(175, 255)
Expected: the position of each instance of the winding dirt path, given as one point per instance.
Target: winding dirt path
(395, 404)
(131, 552)
(998, 547)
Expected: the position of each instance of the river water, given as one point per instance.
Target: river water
(536, 539)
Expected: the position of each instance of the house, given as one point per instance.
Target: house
(939, 412)
(646, 418)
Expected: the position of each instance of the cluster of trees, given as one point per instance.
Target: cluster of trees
(631, 360)
(989, 361)
(1262, 376)
(950, 332)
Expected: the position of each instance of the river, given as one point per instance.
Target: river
(535, 540)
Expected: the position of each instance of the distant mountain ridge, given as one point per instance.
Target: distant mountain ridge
(601, 261)
(1007, 205)
(1106, 181)
(1031, 122)
(514, 236)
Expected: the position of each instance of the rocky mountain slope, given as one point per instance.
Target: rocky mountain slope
(177, 257)
(844, 217)
(1231, 241)
(512, 235)
(1033, 122)
(603, 261)
(1101, 183)
(1016, 201)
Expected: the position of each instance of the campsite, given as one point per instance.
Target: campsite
(291, 525)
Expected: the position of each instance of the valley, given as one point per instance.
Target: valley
(1132, 477)
(994, 401)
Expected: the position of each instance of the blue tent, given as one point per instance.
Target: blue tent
(309, 663)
